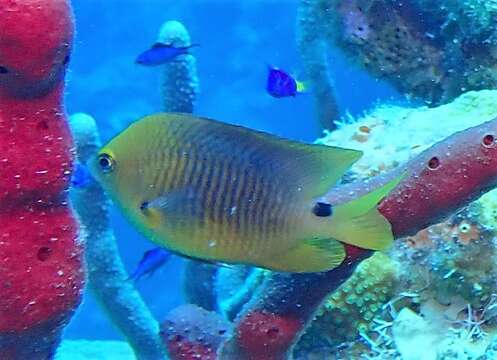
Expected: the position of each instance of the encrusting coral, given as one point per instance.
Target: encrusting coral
(107, 277)
(452, 259)
(350, 310)
(41, 272)
(390, 135)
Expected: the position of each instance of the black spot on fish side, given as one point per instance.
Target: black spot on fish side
(144, 206)
(3, 70)
(322, 209)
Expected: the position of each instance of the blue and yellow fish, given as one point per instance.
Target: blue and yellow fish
(224, 193)
(281, 84)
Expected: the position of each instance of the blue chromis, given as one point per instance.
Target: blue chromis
(281, 84)
(161, 53)
(151, 261)
(224, 193)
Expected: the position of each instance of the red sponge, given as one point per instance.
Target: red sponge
(41, 276)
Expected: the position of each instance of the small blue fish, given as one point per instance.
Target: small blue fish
(81, 176)
(150, 262)
(161, 53)
(281, 84)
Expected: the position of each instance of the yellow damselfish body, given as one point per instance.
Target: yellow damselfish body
(225, 193)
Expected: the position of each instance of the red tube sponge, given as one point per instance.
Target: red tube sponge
(41, 275)
(266, 334)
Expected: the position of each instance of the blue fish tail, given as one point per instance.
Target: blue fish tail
(186, 49)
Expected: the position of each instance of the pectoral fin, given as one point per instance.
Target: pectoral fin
(178, 207)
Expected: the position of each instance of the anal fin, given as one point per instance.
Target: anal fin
(314, 255)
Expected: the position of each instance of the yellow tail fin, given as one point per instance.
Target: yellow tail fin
(300, 86)
(359, 223)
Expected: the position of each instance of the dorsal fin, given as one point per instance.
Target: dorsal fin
(160, 45)
(310, 169)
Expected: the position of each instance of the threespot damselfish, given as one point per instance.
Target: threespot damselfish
(225, 193)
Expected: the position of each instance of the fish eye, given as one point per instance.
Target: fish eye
(3, 70)
(106, 162)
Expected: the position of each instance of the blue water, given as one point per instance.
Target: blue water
(238, 39)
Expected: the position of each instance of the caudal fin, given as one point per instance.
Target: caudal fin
(359, 222)
(301, 87)
(186, 49)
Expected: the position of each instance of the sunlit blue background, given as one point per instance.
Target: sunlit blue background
(238, 39)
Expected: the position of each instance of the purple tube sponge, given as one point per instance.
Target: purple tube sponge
(108, 279)
(190, 332)
(180, 84)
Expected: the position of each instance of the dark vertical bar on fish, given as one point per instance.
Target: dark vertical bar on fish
(440, 180)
